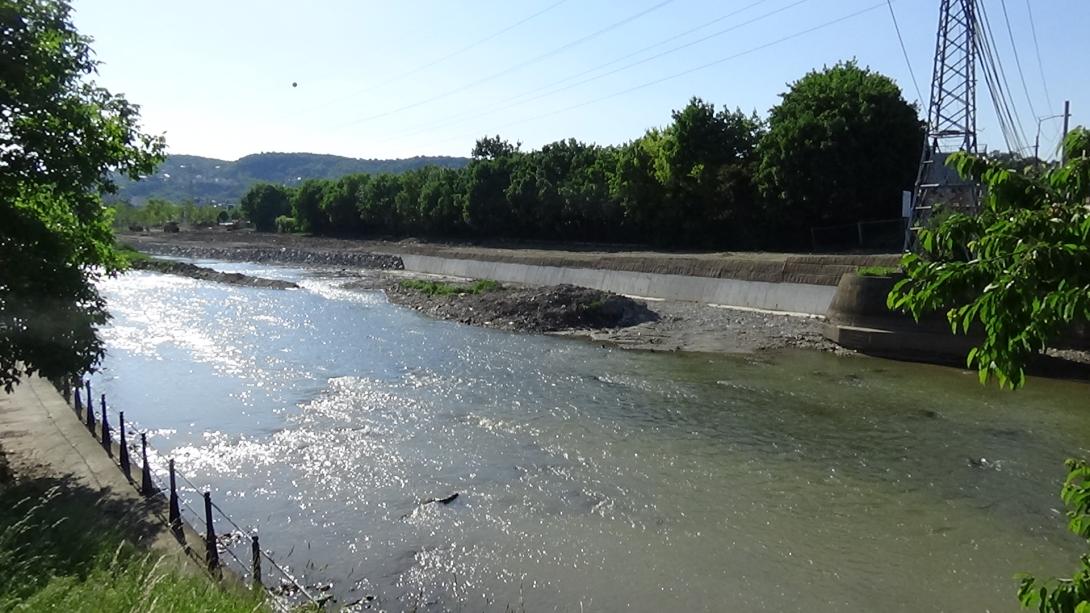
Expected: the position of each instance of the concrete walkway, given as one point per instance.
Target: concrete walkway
(41, 436)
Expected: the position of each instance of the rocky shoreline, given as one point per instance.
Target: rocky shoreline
(666, 326)
(286, 255)
(557, 308)
(193, 271)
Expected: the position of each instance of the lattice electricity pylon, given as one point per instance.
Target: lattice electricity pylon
(951, 118)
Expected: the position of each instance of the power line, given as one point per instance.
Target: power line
(518, 66)
(440, 60)
(1037, 49)
(477, 43)
(1017, 58)
(501, 107)
(510, 102)
(998, 83)
(904, 51)
(700, 67)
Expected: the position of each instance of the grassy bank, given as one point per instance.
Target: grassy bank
(438, 288)
(64, 547)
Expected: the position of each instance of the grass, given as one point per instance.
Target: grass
(877, 271)
(438, 288)
(64, 547)
(131, 254)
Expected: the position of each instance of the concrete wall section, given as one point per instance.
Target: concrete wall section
(787, 297)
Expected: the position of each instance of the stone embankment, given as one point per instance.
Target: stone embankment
(286, 255)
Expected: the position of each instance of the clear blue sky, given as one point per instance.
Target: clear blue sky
(408, 77)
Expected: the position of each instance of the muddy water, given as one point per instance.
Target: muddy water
(589, 479)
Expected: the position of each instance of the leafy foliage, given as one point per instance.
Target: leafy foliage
(62, 138)
(1020, 269)
(158, 212)
(841, 146)
(1066, 595)
(264, 203)
(690, 183)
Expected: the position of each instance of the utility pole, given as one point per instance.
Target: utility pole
(1067, 125)
(951, 118)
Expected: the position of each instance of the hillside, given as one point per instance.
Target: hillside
(203, 180)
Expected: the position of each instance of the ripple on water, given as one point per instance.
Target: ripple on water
(587, 478)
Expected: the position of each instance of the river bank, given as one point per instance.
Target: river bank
(670, 325)
(75, 534)
(192, 271)
(326, 419)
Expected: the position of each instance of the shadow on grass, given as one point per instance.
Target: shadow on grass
(56, 527)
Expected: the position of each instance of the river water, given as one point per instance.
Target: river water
(590, 479)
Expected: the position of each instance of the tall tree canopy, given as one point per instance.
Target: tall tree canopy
(841, 146)
(61, 138)
(264, 203)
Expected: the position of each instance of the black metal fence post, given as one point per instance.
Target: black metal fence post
(106, 429)
(78, 401)
(145, 479)
(212, 554)
(90, 410)
(255, 551)
(175, 513)
(123, 458)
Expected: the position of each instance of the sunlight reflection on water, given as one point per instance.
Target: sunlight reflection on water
(588, 478)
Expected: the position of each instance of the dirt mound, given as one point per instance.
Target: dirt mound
(528, 309)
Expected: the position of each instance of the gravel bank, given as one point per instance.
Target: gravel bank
(193, 271)
(650, 325)
(557, 308)
(286, 255)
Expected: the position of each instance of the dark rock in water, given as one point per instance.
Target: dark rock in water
(447, 500)
(207, 274)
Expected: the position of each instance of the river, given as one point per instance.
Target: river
(590, 479)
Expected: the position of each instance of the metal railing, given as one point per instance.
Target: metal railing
(120, 447)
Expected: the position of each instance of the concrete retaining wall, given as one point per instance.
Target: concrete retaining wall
(787, 297)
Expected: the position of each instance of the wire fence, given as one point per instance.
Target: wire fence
(182, 518)
(883, 235)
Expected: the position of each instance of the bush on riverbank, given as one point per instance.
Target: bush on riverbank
(438, 288)
(64, 547)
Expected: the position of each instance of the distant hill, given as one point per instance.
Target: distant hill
(206, 180)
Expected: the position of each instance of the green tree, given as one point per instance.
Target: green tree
(487, 209)
(704, 161)
(1019, 270)
(442, 200)
(263, 203)
(841, 147)
(62, 138)
(378, 204)
(340, 204)
(494, 147)
(306, 206)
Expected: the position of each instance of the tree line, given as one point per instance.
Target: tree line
(839, 148)
(157, 211)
